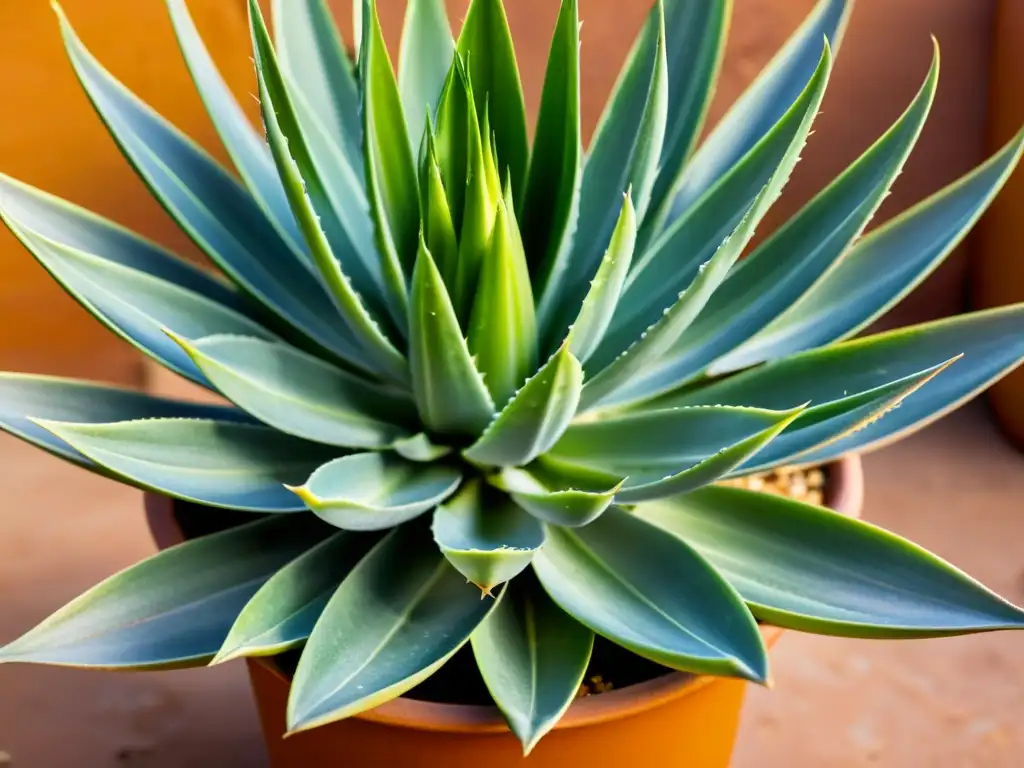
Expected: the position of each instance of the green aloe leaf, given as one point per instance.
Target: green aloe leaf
(245, 146)
(420, 447)
(439, 227)
(647, 444)
(217, 463)
(598, 307)
(374, 491)
(532, 656)
(991, 341)
(486, 536)
(24, 397)
(495, 77)
(135, 304)
(456, 117)
(551, 199)
(449, 391)
(814, 570)
(173, 609)
(210, 206)
(303, 185)
(754, 113)
(559, 493)
(621, 577)
(503, 327)
(881, 268)
(623, 156)
(282, 613)
(535, 417)
(423, 62)
(300, 394)
(782, 268)
(707, 471)
(400, 625)
(672, 264)
(313, 58)
(390, 167)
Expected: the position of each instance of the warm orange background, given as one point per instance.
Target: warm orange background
(50, 137)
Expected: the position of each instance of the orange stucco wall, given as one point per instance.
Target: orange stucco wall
(49, 136)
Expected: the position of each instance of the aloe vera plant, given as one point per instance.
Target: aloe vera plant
(482, 390)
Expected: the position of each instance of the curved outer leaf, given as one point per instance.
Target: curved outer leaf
(450, 394)
(282, 613)
(134, 304)
(782, 268)
(245, 146)
(218, 463)
(707, 471)
(624, 154)
(532, 656)
(424, 59)
(881, 268)
(377, 354)
(992, 340)
(24, 397)
(300, 394)
(621, 577)
(390, 169)
(595, 314)
(814, 570)
(209, 205)
(52, 218)
(502, 326)
(400, 625)
(552, 196)
(313, 57)
(173, 609)
(676, 259)
(558, 493)
(535, 417)
(495, 77)
(486, 536)
(754, 113)
(374, 491)
(650, 443)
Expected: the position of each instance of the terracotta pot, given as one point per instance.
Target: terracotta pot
(997, 276)
(674, 720)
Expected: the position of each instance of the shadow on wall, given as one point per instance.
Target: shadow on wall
(58, 144)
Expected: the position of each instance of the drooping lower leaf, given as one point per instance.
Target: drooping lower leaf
(375, 491)
(173, 609)
(217, 463)
(486, 536)
(559, 493)
(400, 625)
(814, 570)
(532, 656)
(282, 613)
(621, 577)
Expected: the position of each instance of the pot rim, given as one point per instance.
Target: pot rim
(845, 495)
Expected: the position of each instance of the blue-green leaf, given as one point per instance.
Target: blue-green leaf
(450, 394)
(399, 625)
(282, 613)
(218, 463)
(300, 394)
(535, 417)
(559, 493)
(24, 397)
(811, 569)
(423, 62)
(420, 447)
(374, 491)
(532, 656)
(552, 197)
(209, 205)
(881, 268)
(170, 610)
(622, 577)
(486, 536)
